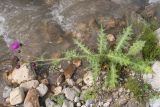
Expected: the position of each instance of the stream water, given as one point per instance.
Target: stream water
(42, 27)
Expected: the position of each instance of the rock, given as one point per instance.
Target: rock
(106, 104)
(6, 92)
(76, 99)
(70, 93)
(78, 104)
(45, 81)
(29, 84)
(154, 78)
(100, 104)
(49, 103)
(89, 102)
(110, 37)
(83, 106)
(24, 73)
(76, 89)
(17, 96)
(153, 1)
(88, 79)
(77, 62)
(32, 98)
(57, 90)
(8, 100)
(154, 102)
(42, 89)
(68, 72)
(79, 80)
(67, 103)
(70, 82)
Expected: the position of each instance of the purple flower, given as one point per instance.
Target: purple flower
(14, 45)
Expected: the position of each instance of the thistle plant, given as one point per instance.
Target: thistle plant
(113, 57)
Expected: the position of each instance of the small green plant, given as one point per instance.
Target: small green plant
(116, 57)
(59, 99)
(90, 94)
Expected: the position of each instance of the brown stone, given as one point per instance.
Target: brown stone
(68, 72)
(31, 99)
(77, 62)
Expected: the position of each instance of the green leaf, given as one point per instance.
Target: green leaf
(123, 38)
(112, 77)
(118, 58)
(84, 49)
(136, 47)
(102, 41)
(71, 54)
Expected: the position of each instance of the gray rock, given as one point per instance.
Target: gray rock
(67, 103)
(153, 1)
(6, 92)
(42, 89)
(76, 99)
(17, 96)
(89, 102)
(49, 103)
(154, 78)
(155, 102)
(70, 93)
(29, 84)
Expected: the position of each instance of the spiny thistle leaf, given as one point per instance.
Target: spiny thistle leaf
(123, 39)
(118, 58)
(112, 77)
(84, 48)
(71, 54)
(102, 42)
(136, 47)
(141, 66)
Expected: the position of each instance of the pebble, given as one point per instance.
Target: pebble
(17, 96)
(70, 82)
(49, 103)
(42, 89)
(32, 98)
(78, 104)
(88, 79)
(70, 93)
(76, 99)
(57, 90)
(89, 102)
(6, 92)
(29, 84)
(67, 103)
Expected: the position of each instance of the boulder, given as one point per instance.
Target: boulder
(29, 84)
(32, 98)
(22, 74)
(17, 96)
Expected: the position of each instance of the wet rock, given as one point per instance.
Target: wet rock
(57, 90)
(6, 92)
(17, 96)
(29, 84)
(31, 99)
(24, 73)
(70, 93)
(68, 72)
(67, 103)
(88, 79)
(49, 103)
(70, 82)
(154, 78)
(42, 89)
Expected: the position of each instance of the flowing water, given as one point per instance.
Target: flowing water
(42, 27)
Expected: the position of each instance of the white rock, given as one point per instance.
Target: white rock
(88, 78)
(6, 92)
(29, 84)
(154, 78)
(76, 99)
(49, 103)
(70, 93)
(57, 90)
(78, 104)
(67, 103)
(24, 73)
(154, 1)
(42, 89)
(17, 96)
(70, 82)
(155, 102)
